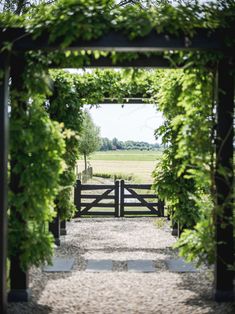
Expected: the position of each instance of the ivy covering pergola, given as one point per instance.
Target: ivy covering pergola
(38, 37)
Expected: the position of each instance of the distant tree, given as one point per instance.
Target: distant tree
(90, 140)
(114, 144)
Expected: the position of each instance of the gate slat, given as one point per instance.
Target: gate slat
(135, 212)
(85, 187)
(138, 186)
(108, 197)
(103, 213)
(132, 204)
(142, 195)
(97, 205)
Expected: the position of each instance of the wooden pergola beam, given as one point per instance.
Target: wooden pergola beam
(203, 39)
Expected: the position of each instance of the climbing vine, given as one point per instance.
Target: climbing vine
(37, 147)
(183, 177)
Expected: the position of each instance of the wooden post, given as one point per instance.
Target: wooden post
(122, 183)
(63, 230)
(224, 184)
(77, 197)
(4, 130)
(161, 208)
(54, 228)
(20, 291)
(175, 229)
(19, 283)
(116, 198)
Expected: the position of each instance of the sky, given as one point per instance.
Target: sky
(131, 122)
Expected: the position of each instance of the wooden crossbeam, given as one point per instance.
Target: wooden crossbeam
(204, 39)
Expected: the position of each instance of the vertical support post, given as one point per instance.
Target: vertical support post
(161, 208)
(224, 184)
(116, 199)
(63, 230)
(4, 130)
(175, 229)
(20, 291)
(54, 228)
(19, 278)
(122, 199)
(77, 197)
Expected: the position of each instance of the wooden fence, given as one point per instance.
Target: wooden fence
(85, 175)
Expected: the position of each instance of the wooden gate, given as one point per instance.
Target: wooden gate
(132, 202)
(105, 198)
(122, 198)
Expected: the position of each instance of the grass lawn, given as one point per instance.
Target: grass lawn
(140, 164)
(127, 155)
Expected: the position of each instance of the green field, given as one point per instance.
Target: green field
(127, 155)
(139, 164)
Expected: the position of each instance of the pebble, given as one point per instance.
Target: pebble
(119, 291)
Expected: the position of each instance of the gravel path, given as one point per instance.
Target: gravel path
(119, 291)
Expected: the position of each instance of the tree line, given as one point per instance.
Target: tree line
(114, 144)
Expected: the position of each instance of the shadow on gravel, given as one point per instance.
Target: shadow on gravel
(28, 308)
(202, 299)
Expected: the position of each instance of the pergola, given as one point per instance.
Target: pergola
(203, 40)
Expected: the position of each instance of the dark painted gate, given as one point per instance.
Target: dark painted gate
(134, 200)
(117, 199)
(105, 200)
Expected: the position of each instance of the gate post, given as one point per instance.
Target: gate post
(54, 228)
(19, 278)
(63, 230)
(161, 208)
(224, 184)
(4, 134)
(77, 198)
(116, 199)
(122, 184)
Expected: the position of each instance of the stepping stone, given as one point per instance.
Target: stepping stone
(59, 265)
(98, 266)
(180, 266)
(141, 266)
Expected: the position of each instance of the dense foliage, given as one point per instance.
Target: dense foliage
(183, 177)
(65, 107)
(37, 147)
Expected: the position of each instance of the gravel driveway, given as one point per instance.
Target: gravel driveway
(120, 291)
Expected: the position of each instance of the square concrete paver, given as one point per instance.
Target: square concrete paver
(180, 266)
(59, 265)
(141, 266)
(99, 265)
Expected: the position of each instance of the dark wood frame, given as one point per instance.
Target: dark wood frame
(203, 40)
